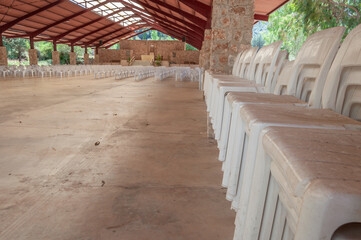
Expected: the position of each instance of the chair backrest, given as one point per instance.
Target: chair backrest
(312, 64)
(265, 70)
(262, 63)
(240, 62)
(235, 68)
(283, 78)
(246, 62)
(342, 91)
(281, 60)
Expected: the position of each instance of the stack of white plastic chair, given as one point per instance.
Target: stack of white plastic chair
(241, 143)
(254, 118)
(230, 109)
(260, 79)
(240, 72)
(307, 185)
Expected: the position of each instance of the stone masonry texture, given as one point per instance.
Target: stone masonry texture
(232, 23)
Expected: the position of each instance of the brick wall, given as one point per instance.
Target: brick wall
(172, 51)
(143, 47)
(184, 57)
(114, 55)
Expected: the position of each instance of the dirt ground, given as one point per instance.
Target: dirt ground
(85, 159)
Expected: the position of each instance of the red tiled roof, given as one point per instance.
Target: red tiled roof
(102, 22)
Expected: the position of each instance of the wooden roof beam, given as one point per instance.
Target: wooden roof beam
(85, 25)
(164, 20)
(186, 23)
(37, 32)
(199, 7)
(183, 34)
(261, 17)
(136, 34)
(198, 21)
(173, 33)
(16, 21)
(121, 35)
(110, 33)
(97, 30)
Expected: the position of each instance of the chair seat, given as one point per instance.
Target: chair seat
(238, 83)
(316, 167)
(293, 115)
(262, 98)
(229, 78)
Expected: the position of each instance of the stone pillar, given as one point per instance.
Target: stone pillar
(205, 52)
(86, 58)
(72, 58)
(232, 23)
(3, 56)
(96, 59)
(55, 57)
(33, 57)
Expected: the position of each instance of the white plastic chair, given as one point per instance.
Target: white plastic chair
(254, 118)
(303, 189)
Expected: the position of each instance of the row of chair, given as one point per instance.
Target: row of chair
(143, 73)
(46, 71)
(162, 73)
(289, 138)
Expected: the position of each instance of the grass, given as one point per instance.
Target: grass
(13, 62)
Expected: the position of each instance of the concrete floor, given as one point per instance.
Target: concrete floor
(154, 175)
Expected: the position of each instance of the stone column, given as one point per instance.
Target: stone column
(232, 23)
(55, 57)
(33, 57)
(96, 59)
(3, 56)
(86, 58)
(72, 58)
(206, 50)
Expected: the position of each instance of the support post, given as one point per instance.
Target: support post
(72, 56)
(55, 55)
(33, 53)
(232, 23)
(205, 53)
(3, 53)
(86, 56)
(96, 56)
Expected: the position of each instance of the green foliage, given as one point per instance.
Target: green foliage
(64, 53)
(158, 60)
(298, 19)
(190, 48)
(45, 49)
(17, 48)
(154, 35)
(115, 46)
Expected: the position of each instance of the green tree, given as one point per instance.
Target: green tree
(45, 49)
(63, 53)
(154, 35)
(190, 48)
(17, 48)
(298, 19)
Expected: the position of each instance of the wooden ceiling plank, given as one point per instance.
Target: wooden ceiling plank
(10, 24)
